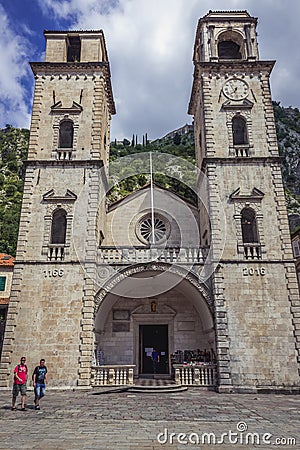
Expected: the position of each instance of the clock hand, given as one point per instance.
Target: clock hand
(232, 88)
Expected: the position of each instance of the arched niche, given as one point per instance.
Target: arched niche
(230, 45)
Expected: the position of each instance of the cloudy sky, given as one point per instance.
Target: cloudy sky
(150, 47)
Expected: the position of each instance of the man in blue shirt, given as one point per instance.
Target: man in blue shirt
(40, 378)
(155, 360)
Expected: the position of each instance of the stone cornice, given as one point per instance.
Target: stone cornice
(217, 16)
(234, 66)
(77, 68)
(63, 164)
(259, 262)
(23, 262)
(265, 160)
(56, 68)
(70, 32)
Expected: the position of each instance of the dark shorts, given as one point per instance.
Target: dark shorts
(19, 388)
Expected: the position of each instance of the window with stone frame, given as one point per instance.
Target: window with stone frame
(66, 134)
(248, 217)
(249, 226)
(65, 130)
(2, 283)
(239, 130)
(250, 234)
(56, 247)
(59, 227)
(58, 219)
(239, 126)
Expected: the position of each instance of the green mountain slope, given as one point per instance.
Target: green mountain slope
(13, 150)
(288, 134)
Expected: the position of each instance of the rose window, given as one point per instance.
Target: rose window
(160, 228)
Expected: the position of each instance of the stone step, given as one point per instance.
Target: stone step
(157, 389)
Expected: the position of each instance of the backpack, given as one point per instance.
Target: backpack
(34, 372)
(19, 370)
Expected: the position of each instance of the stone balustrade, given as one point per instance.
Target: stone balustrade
(56, 252)
(115, 375)
(125, 255)
(198, 375)
(63, 154)
(252, 251)
(242, 151)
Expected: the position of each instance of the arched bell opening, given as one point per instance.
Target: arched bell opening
(231, 45)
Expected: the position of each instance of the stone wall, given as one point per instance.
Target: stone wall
(123, 219)
(44, 320)
(261, 333)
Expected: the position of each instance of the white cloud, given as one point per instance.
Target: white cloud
(150, 46)
(14, 66)
(75, 8)
(278, 34)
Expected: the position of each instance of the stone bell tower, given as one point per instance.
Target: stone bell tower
(52, 299)
(254, 284)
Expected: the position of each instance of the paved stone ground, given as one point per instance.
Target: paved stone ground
(71, 420)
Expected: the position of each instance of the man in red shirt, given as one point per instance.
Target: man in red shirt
(20, 378)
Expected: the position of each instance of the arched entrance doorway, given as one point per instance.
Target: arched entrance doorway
(153, 308)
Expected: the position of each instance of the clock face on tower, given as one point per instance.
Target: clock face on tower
(236, 89)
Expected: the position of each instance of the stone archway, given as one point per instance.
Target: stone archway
(184, 307)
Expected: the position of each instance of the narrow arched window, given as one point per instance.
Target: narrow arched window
(66, 131)
(59, 227)
(249, 226)
(229, 50)
(239, 130)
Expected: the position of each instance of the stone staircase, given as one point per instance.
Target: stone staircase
(157, 389)
(155, 386)
(147, 386)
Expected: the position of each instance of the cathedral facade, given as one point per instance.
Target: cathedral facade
(99, 288)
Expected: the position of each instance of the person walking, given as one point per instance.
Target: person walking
(40, 379)
(155, 360)
(19, 386)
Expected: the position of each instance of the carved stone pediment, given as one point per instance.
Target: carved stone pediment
(255, 194)
(240, 105)
(58, 108)
(68, 197)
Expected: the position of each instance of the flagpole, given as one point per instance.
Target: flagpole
(152, 200)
